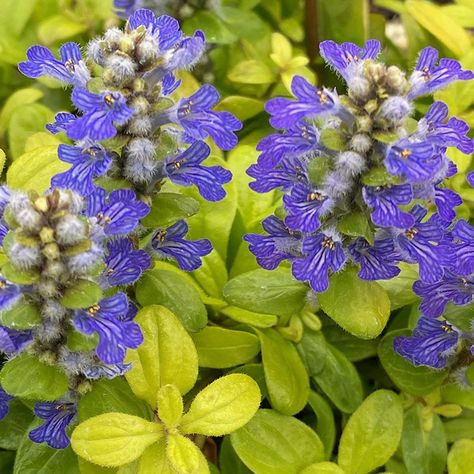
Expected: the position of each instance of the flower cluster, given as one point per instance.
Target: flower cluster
(63, 254)
(364, 183)
(130, 129)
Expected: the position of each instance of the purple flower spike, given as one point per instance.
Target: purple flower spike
(322, 254)
(194, 114)
(71, 68)
(5, 399)
(110, 319)
(61, 122)
(429, 76)
(281, 243)
(124, 264)
(311, 102)
(345, 57)
(100, 113)
(384, 200)
(185, 169)
(58, 415)
(170, 243)
(463, 233)
(119, 213)
(377, 262)
(87, 164)
(431, 344)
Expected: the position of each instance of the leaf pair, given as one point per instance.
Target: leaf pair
(165, 368)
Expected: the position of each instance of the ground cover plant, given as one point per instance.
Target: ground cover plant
(236, 237)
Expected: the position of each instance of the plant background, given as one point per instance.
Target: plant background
(241, 318)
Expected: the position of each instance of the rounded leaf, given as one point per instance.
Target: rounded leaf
(272, 443)
(360, 307)
(372, 433)
(167, 355)
(114, 439)
(323, 468)
(184, 457)
(460, 458)
(222, 407)
(170, 405)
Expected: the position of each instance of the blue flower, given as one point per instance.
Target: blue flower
(4, 403)
(304, 205)
(463, 234)
(61, 122)
(111, 320)
(119, 214)
(185, 169)
(100, 113)
(311, 103)
(281, 243)
(124, 264)
(299, 140)
(384, 200)
(13, 342)
(98, 370)
(165, 28)
(417, 162)
(71, 68)
(429, 76)
(435, 296)
(377, 262)
(452, 132)
(446, 200)
(345, 57)
(9, 294)
(321, 254)
(425, 243)
(194, 114)
(288, 172)
(58, 415)
(88, 162)
(187, 54)
(170, 243)
(431, 344)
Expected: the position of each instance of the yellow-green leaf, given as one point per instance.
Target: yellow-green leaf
(323, 468)
(460, 457)
(170, 405)
(222, 407)
(114, 439)
(34, 170)
(184, 456)
(167, 355)
(154, 461)
(251, 72)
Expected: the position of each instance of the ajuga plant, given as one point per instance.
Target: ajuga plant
(70, 255)
(365, 185)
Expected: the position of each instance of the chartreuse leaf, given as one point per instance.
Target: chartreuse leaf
(184, 457)
(460, 458)
(26, 377)
(224, 406)
(415, 380)
(3, 159)
(400, 288)
(242, 107)
(272, 443)
(372, 433)
(229, 462)
(19, 97)
(325, 424)
(275, 292)
(454, 393)
(153, 460)
(323, 468)
(167, 355)
(167, 208)
(170, 289)
(360, 307)
(170, 405)
(252, 71)
(258, 320)
(424, 452)
(13, 274)
(34, 170)
(22, 316)
(285, 375)
(340, 381)
(220, 348)
(114, 439)
(83, 294)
